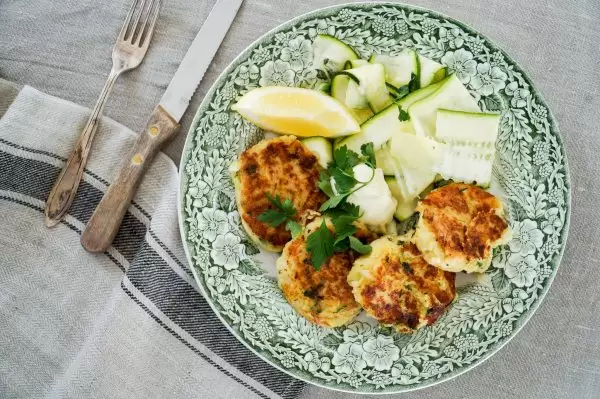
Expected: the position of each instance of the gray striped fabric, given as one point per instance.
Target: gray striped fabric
(127, 323)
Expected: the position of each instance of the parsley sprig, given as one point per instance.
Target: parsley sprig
(283, 212)
(322, 243)
(342, 174)
(402, 91)
(319, 244)
(403, 115)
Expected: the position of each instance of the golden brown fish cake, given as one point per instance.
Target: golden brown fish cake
(396, 286)
(459, 226)
(321, 296)
(281, 166)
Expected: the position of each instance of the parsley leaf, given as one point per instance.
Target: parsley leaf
(282, 213)
(337, 211)
(403, 115)
(345, 159)
(414, 83)
(332, 202)
(344, 181)
(324, 183)
(287, 207)
(293, 227)
(359, 247)
(368, 152)
(341, 170)
(351, 209)
(400, 93)
(320, 245)
(344, 227)
(341, 246)
(272, 217)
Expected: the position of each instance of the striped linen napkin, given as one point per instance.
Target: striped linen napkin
(128, 323)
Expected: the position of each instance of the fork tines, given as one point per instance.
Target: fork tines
(136, 32)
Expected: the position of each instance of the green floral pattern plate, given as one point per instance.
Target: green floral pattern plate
(530, 175)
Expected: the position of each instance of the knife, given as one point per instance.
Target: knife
(162, 125)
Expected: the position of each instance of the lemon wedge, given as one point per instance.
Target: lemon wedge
(301, 112)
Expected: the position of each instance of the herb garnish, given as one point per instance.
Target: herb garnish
(342, 174)
(344, 228)
(338, 182)
(403, 115)
(359, 247)
(283, 212)
(320, 245)
(402, 91)
(414, 83)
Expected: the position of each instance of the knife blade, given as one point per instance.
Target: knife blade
(177, 97)
(162, 126)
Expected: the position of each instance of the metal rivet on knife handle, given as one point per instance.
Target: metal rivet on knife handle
(104, 224)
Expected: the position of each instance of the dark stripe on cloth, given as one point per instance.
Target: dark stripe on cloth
(171, 254)
(35, 179)
(202, 355)
(150, 273)
(63, 159)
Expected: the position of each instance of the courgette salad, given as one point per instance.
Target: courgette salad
(423, 123)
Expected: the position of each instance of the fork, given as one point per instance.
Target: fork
(128, 53)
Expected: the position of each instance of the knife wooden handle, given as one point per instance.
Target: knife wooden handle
(103, 226)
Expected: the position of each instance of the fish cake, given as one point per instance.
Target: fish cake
(281, 166)
(459, 226)
(395, 285)
(323, 296)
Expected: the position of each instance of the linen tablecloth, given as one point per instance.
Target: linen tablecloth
(63, 48)
(127, 323)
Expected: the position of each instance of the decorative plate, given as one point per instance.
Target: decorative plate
(530, 175)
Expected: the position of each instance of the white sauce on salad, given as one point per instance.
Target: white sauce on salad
(374, 199)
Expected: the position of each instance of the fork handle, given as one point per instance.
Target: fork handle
(63, 192)
(103, 226)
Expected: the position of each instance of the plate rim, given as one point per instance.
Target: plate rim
(288, 23)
